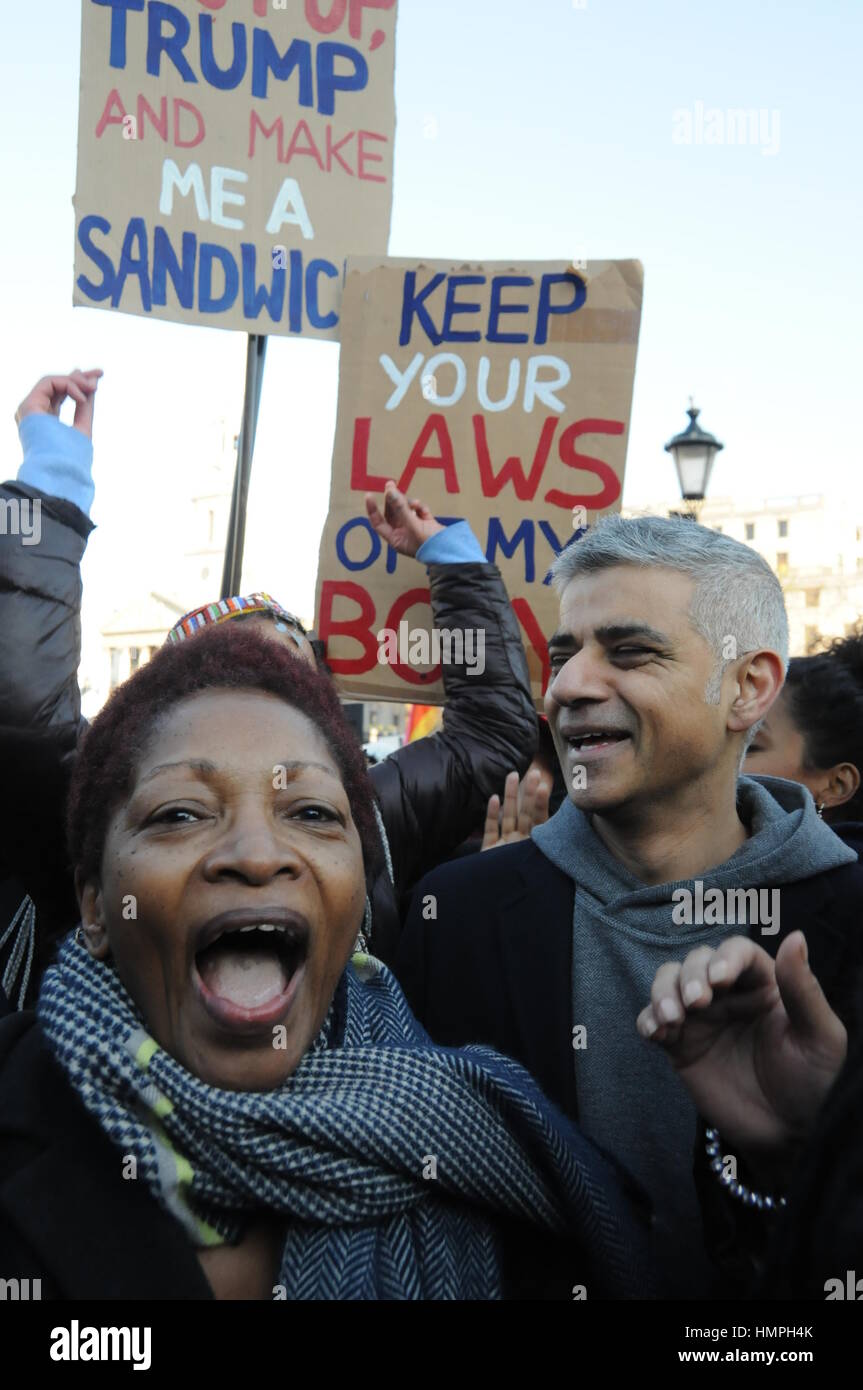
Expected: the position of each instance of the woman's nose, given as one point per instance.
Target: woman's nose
(255, 849)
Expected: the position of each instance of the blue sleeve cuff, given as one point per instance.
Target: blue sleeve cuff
(58, 460)
(454, 545)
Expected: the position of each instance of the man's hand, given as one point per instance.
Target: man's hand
(525, 804)
(405, 521)
(755, 1042)
(48, 395)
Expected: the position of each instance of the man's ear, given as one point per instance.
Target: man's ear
(89, 895)
(759, 677)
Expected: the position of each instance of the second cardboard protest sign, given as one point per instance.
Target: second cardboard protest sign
(499, 394)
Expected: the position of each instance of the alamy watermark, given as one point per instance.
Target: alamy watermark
(711, 125)
(435, 647)
(721, 906)
(848, 1288)
(77, 1343)
(20, 1290)
(21, 516)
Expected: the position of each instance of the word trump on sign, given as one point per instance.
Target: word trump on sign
(207, 131)
(498, 393)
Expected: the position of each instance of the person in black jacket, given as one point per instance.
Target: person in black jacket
(220, 1094)
(671, 648)
(765, 1059)
(40, 643)
(431, 793)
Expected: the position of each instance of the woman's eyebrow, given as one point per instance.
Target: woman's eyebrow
(200, 765)
(205, 768)
(296, 766)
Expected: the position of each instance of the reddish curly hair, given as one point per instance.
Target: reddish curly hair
(230, 656)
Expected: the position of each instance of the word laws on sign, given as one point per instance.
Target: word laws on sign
(231, 153)
(500, 394)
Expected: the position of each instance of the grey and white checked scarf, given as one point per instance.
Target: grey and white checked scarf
(343, 1149)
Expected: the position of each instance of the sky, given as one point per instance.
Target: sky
(526, 129)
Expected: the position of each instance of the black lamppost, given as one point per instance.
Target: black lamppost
(693, 452)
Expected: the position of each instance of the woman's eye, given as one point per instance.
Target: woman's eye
(174, 815)
(315, 814)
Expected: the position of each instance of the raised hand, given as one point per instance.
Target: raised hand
(405, 521)
(525, 804)
(50, 392)
(754, 1041)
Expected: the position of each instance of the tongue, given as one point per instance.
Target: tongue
(248, 977)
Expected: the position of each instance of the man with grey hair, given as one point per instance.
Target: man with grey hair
(671, 646)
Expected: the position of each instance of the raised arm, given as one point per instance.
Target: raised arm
(43, 535)
(435, 791)
(46, 511)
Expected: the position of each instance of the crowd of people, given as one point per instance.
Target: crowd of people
(554, 1007)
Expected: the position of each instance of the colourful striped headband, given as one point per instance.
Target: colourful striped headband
(226, 608)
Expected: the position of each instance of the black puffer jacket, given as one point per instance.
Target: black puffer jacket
(431, 793)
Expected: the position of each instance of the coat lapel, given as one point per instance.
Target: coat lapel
(534, 931)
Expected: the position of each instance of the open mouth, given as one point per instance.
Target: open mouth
(248, 972)
(595, 739)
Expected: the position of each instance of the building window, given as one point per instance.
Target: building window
(813, 598)
(750, 531)
(811, 637)
(114, 653)
(782, 562)
(134, 659)
(783, 528)
(151, 652)
(211, 525)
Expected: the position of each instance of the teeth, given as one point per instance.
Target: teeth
(262, 926)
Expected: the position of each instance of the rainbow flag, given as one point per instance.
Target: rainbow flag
(422, 720)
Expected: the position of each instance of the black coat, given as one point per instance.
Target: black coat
(70, 1219)
(495, 966)
(432, 793)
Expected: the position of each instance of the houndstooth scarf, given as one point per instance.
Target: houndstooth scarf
(389, 1157)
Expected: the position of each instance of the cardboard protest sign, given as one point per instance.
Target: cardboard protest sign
(231, 153)
(497, 393)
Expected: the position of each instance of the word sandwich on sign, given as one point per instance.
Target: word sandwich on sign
(230, 154)
(500, 394)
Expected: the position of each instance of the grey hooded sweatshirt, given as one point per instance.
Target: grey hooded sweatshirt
(629, 1098)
